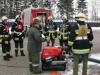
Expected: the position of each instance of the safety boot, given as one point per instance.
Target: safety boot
(22, 53)
(9, 56)
(6, 58)
(30, 68)
(16, 53)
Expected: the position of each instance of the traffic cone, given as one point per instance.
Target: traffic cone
(54, 73)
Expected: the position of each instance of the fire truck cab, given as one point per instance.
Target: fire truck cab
(29, 14)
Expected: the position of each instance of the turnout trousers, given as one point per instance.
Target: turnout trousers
(52, 42)
(17, 44)
(76, 61)
(34, 61)
(64, 43)
(6, 50)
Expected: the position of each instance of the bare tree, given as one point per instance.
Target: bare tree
(95, 10)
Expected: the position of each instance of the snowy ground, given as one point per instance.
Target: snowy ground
(69, 70)
(95, 28)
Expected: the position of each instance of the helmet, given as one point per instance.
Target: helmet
(17, 16)
(80, 17)
(50, 18)
(36, 20)
(4, 18)
(64, 17)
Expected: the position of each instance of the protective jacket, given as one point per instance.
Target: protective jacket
(80, 38)
(50, 30)
(17, 31)
(64, 31)
(4, 34)
(35, 39)
(41, 29)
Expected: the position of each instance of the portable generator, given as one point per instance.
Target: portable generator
(53, 56)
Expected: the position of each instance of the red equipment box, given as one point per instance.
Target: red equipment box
(51, 51)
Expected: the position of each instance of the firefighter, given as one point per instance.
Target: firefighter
(63, 33)
(35, 45)
(81, 39)
(5, 39)
(18, 35)
(41, 29)
(50, 30)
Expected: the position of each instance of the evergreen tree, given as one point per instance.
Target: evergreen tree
(47, 4)
(82, 6)
(11, 8)
(66, 7)
(32, 1)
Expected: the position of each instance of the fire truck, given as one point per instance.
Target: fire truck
(29, 14)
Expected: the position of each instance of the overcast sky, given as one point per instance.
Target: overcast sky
(90, 2)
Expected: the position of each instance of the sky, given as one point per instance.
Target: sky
(89, 3)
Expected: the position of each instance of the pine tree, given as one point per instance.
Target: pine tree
(47, 4)
(82, 6)
(66, 7)
(32, 1)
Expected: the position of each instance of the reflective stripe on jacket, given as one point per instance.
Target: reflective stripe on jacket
(80, 41)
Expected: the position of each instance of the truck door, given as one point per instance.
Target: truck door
(42, 17)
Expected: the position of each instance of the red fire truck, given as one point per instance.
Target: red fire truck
(29, 14)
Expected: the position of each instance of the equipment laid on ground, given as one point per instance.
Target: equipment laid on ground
(94, 60)
(53, 56)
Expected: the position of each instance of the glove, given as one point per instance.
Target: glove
(70, 49)
(42, 36)
(90, 45)
(10, 37)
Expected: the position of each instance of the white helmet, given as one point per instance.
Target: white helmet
(80, 17)
(64, 17)
(17, 16)
(50, 18)
(4, 18)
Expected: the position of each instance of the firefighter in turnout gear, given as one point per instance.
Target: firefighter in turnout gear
(80, 38)
(18, 35)
(35, 40)
(41, 29)
(5, 39)
(50, 30)
(63, 33)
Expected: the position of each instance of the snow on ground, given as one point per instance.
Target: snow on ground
(95, 28)
(96, 56)
(69, 70)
